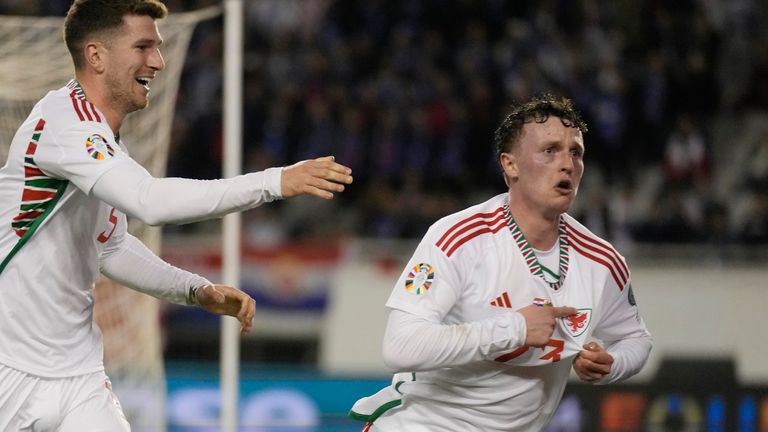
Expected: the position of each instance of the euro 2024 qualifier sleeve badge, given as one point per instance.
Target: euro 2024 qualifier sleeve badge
(419, 279)
(98, 147)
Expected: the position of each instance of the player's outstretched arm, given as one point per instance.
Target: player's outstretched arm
(227, 300)
(320, 177)
(156, 201)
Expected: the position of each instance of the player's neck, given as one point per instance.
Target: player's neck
(96, 95)
(540, 231)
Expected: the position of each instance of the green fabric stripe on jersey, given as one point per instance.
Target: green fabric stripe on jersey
(45, 183)
(34, 206)
(22, 241)
(376, 414)
(551, 273)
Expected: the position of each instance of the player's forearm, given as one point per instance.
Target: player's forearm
(629, 357)
(137, 267)
(413, 344)
(158, 201)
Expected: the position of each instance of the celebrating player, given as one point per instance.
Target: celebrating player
(64, 195)
(501, 299)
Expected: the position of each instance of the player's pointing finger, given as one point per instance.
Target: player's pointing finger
(564, 311)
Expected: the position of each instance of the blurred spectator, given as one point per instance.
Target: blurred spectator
(755, 229)
(685, 154)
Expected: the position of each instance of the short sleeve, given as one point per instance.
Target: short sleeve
(81, 154)
(430, 284)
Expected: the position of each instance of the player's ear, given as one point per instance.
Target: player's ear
(508, 163)
(94, 53)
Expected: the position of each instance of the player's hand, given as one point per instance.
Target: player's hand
(320, 177)
(592, 363)
(226, 300)
(540, 322)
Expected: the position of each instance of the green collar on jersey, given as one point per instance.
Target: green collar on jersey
(529, 255)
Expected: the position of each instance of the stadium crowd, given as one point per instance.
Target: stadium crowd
(408, 93)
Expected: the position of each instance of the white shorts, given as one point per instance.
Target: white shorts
(83, 403)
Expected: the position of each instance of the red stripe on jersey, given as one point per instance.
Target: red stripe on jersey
(502, 301)
(36, 195)
(31, 148)
(95, 114)
(33, 172)
(505, 297)
(600, 260)
(74, 104)
(509, 356)
(28, 215)
(84, 104)
(488, 228)
(462, 222)
(40, 125)
(604, 249)
(21, 231)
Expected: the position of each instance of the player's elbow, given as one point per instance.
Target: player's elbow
(393, 358)
(150, 218)
(398, 354)
(152, 215)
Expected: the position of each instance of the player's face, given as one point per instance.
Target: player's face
(546, 166)
(133, 60)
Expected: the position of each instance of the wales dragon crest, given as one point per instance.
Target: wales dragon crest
(577, 324)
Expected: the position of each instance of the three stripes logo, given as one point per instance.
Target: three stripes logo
(502, 301)
(469, 228)
(85, 110)
(600, 252)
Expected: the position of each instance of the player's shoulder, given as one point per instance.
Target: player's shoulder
(470, 225)
(585, 237)
(67, 107)
(596, 250)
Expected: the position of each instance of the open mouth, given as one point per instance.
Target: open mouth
(144, 81)
(564, 186)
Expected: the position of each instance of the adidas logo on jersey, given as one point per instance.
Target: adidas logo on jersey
(502, 301)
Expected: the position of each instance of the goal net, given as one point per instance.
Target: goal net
(35, 61)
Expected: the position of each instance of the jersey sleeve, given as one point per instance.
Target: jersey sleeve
(117, 237)
(156, 277)
(620, 316)
(81, 153)
(624, 333)
(430, 284)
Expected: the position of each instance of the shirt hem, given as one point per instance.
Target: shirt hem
(39, 373)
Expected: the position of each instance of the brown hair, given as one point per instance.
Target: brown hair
(88, 17)
(538, 109)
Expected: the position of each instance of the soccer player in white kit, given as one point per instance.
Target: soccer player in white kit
(501, 299)
(65, 191)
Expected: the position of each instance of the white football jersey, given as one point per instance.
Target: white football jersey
(475, 264)
(52, 234)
